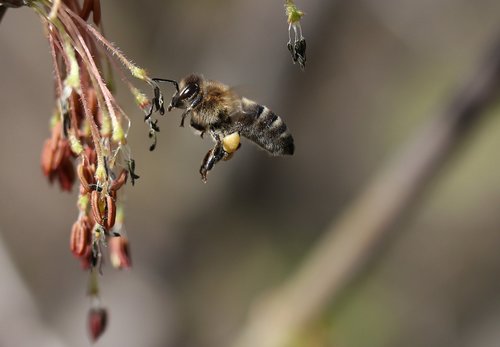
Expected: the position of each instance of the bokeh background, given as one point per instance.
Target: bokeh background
(377, 71)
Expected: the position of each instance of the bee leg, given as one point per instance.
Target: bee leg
(198, 127)
(183, 117)
(211, 158)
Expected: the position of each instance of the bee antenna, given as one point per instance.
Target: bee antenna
(166, 80)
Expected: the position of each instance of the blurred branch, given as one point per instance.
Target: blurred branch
(350, 241)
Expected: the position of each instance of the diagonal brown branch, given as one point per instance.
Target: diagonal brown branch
(349, 242)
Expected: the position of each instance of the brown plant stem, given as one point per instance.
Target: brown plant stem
(349, 242)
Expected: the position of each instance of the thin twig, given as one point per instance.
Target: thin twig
(349, 242)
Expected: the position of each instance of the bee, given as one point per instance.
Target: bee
(215, 108)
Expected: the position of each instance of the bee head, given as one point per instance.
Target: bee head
(188, 93)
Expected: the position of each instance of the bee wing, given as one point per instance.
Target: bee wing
(262, 126)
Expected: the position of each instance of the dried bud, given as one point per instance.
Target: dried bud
(97, 320)
(111, 212)
(80, 236)
(120, 181)
(95, 204)
(56, 159)
(47, 156)
(86, 176)
(59, 153)
(66, 175)
(119, 252)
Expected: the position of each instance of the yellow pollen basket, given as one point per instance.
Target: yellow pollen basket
(231, 142)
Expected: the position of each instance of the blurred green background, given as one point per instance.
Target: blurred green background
(202, 254)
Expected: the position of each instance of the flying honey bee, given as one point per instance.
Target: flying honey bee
(216, 109)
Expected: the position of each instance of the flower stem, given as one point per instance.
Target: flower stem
(134, 70)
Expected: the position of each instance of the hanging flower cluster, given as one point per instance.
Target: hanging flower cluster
(297, 46)
(88, 142)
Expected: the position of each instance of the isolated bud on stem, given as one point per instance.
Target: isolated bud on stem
(80, 236)
(97, 321)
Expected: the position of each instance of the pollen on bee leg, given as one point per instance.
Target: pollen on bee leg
(231, 142)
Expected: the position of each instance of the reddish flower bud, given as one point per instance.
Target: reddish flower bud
(120, 181)
(95, 204)
(56, 160)
(66, 175)
(83, 179)
(119, 254)
(46, 159)
(80, 236)
(111, 212)
(86, 259)
(97, 320)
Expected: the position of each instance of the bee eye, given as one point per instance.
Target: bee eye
(189, 91)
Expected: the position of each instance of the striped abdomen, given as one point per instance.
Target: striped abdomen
(262, 126)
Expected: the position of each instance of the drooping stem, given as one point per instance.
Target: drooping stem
(134, 70)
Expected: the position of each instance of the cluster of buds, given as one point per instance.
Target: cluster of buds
(297, 46)
(89, 134)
